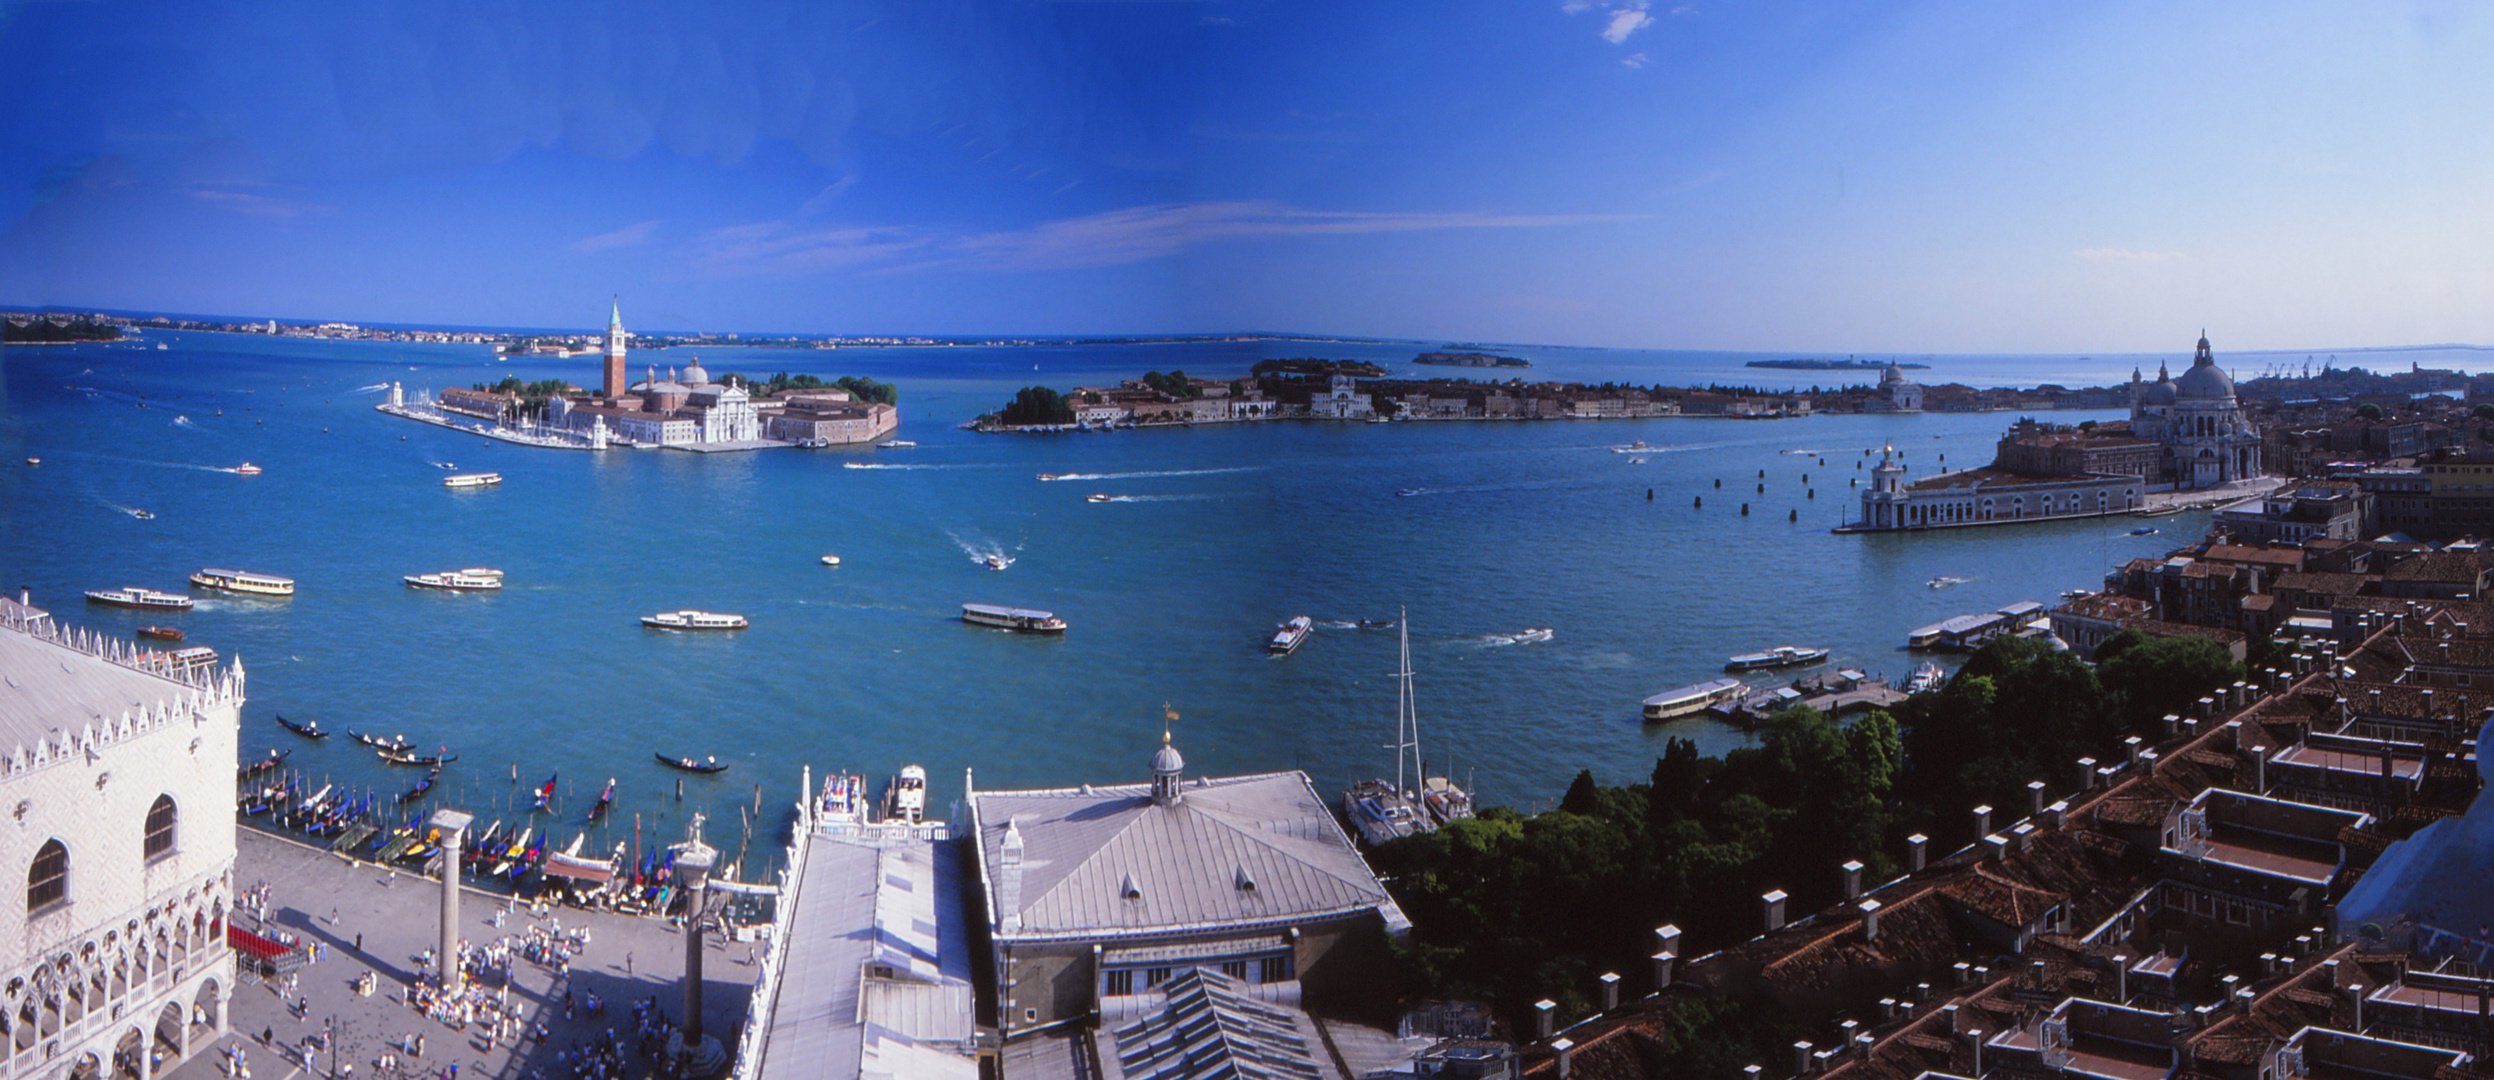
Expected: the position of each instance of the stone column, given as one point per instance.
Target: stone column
(696, 1053)
(452, 823)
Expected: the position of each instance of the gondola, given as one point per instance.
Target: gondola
(422, 786)
(545, 792)
(402, 757)
(255, 768)
(605, 799)
(398, 743)
(690, 765)
(309, 729)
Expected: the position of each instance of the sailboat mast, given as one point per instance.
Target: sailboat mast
(1406, 714)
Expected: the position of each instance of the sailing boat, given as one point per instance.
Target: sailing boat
(1383, 811)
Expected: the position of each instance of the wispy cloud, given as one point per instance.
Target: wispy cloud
(1114, 238)
(627, 236)
(1626, 21)
(2109, 254)
(257, 205)
(1634, 60)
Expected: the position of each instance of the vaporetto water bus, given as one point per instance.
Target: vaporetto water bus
(1021, 620)
(1692, 699)
(134, 597)
(244, 581)
(693, 620)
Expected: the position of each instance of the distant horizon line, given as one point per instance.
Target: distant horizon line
(1003, 339)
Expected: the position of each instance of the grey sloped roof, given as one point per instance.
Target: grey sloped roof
(1108, 859)
(860, 903)
(1211, 1031)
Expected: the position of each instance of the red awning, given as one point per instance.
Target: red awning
(253, 944)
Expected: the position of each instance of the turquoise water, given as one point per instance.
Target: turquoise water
(1216, 534)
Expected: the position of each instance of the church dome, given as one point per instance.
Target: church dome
(2160, 392)
(694, 374)
(1166, 761)
(2204, 381)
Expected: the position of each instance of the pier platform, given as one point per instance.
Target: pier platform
(322, 897)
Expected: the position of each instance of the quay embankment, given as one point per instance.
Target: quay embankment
(372, 921)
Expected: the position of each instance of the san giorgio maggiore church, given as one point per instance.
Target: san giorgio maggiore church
(115, 776)
(2185, 433)
(683, 408)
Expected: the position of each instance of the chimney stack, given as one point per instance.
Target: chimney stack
(1915, 846)
(2134, 743)
(2121, 979)
(2356, 992)
(1801, 1058)
(2055, 812)
(1775, 910)
(1610, 991)
(2034, 797)
(1887, 1010)
(1562, 1048)
(2086, 774)
(1667, 938)
(1982, 820)
(1995, 847)
(1662, 971)
(1853, 878)
(1870, 918)
(1545, 1017)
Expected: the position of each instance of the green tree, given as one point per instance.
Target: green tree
(2369, 411)
(1037, 405)
(2151, 677)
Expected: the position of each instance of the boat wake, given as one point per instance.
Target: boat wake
(1161, 498)
(370, 389)
(1054, 477)
(889, 465)
(982, 550)
(185, 422)
(1525, 637)
(130, 510)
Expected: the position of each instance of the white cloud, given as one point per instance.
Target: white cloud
(1574, 6)
(1626, 21)
(1634, 60)
(267, 206)
(627, 236)
(2108, 254)
(1112, 238)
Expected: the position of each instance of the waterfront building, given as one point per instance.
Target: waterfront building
(116, 962)
(1985, 496)
(1897, 392)
(682, 409)
(1342, 400)
(2198, 421)
(1099, 897)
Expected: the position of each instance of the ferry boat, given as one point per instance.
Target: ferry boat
(1290, 635)
(1538, 633)
(896, 444)
(1692, 699)
(469, 480)
(1021, 620)
(135, 597)
(244, 581)
(247, 469)
(161, 633)
(180, 660)
(1096, 497)
(2161, 511)
(455, 580)
(483, 571)
(905, 799)
(693, 620)
(831, 560)
(1779, 656)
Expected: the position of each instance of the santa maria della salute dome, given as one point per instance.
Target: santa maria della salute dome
(2198, 422)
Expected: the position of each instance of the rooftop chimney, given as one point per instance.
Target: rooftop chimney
(2121, 979)
(1915, 847)
(2356, 993)
(2086, 774)
(1801, 1058)
(1982, 820)
(1853, 878)
(1775, 910)
(2134, 743)
(1562, 1048)
(1870, 918)
(1974, 1045)
(2034, 797)
(1667, 939)
(1995, 847)
(1662, 971)
(2055, 812)
(1610, 991)
(1545, 1017)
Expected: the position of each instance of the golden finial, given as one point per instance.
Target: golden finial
(1168, 716)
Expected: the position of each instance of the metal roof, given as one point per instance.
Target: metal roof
(864, 908)
(1209, 1030)
(1233, 850)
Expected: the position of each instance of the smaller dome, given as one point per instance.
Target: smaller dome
(2160, 392)
(694, 374)
(1166, 761)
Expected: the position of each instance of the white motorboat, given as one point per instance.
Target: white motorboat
(1290, 635)
(831, 560)
(132, 596)
(471, 480)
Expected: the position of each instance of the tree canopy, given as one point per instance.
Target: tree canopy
(1037, 405)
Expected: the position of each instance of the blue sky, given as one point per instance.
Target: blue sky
(1854, 177)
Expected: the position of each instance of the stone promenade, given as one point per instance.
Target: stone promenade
(373, 920)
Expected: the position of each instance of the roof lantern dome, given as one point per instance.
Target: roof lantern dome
(1167, 764)
(695, 375)
(2205, 380)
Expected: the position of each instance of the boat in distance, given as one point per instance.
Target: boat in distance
(454, 580)
(309, 729)
(244, 581)
(469, 480)
(1290, 635)
(1020, 620)
(1692, 699)
(132, 596)
(160, 633)
(896, 444)
(831, 560)
(689, 765)
(1779, 656)
(693, 620)
(247, 469)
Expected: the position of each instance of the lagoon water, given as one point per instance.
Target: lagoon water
(1213, 535)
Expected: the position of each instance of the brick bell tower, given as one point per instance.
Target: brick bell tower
(615, 385)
